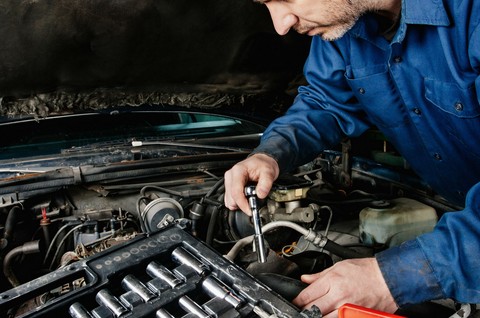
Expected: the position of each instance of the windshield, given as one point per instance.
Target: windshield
(65, 134)
(120, 137)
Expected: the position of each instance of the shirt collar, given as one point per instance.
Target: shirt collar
(430, 12)
(427, 12)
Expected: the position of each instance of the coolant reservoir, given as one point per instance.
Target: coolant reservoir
(395, 221)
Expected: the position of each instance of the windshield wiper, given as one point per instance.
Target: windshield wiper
(183, 144)
(28, 170)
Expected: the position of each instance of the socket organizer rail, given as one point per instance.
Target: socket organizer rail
(167, 274)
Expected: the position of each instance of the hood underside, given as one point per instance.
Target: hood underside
(66, 55)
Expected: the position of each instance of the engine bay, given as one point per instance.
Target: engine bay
(92, 226)
(108, 249)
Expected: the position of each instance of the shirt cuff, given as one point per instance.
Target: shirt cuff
(408, 274)
(279, 149)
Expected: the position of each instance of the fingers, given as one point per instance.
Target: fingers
(264, 184)
(310, 278)
(235, 181)
(323, 291)
(314, 293)
(258, 168)
(333, 314)
(347, 281)
(328, 305)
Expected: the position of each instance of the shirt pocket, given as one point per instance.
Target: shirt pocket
(452, 99)
(458, 112)
(378, 96)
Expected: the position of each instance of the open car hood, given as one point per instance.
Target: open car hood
(111, 191)
(63, 56)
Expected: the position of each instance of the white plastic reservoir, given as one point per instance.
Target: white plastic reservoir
(395, 221)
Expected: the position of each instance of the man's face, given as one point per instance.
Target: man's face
(330, 19)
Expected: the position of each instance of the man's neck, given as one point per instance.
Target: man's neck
(388, 12)
(390, 9)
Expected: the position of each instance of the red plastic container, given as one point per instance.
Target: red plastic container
(354, 311)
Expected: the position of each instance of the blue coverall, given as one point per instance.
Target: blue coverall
(422, 90)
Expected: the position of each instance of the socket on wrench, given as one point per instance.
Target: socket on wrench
(258, 240)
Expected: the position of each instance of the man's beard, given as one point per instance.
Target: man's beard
(337, 32)
(344, 18)
(328, 33)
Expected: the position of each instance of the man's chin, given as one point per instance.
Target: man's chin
(330, 34)
(333, 35)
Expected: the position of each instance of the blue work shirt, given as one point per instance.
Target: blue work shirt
(422, 90)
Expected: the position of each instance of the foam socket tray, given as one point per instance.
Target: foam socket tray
(167, 274)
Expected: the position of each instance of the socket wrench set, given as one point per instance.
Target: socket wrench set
(167, 274)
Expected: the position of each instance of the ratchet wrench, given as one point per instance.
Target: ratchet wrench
(258, 239)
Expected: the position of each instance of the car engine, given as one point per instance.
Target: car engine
(165, 245)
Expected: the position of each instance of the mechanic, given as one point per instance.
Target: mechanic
(410, 68)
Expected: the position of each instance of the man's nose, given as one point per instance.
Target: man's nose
(282, 18)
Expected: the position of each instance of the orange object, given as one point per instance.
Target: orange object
(354, 311)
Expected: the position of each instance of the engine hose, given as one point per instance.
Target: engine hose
(215, 187)
(212, 225)
(194, 227)
(27, 248)
(11, 221)
(286, 286)
(46, 234)
(464, 311)
(342, 251)
(329, 245)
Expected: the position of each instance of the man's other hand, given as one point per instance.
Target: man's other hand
(356, 281)
(259, 168)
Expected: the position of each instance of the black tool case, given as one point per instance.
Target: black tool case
(167, 274)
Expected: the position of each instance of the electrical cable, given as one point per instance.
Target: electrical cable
(63, 241)
(140, 213)
(53, 241)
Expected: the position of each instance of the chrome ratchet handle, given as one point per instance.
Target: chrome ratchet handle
(259, 241)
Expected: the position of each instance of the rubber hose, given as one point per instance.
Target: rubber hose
(27, 248)
(46, 234)
(212, 225)
(285, 286)
(11, 221)
(342, 251)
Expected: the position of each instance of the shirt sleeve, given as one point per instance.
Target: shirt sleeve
(322, 114)
(441, 264)
(474, 54)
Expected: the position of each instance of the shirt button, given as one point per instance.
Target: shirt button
(437, 156)
(361, 90)
(458, 106)
(397, 59)
(417, 111)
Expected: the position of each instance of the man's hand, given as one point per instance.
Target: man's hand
(258, 168)
(356, 281)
